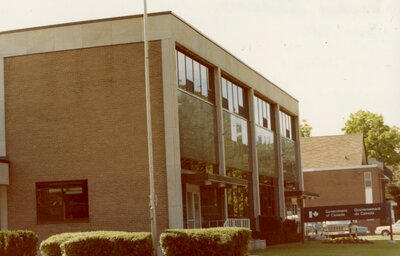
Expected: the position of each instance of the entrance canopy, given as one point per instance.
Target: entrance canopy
(213, 180)
(301, 194)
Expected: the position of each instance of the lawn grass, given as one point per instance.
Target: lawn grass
(316, 248)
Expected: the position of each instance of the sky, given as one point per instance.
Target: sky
(334, 56)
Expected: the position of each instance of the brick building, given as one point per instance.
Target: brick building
(73, 130)
(336, 168)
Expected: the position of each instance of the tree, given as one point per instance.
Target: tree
(305, 129)
(381, 141)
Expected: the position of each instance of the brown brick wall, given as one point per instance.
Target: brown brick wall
(80, 114)
(342, 187)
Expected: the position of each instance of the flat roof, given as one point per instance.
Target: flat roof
(151, 14)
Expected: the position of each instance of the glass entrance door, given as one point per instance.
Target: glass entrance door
(193, 209)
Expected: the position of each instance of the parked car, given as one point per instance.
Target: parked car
(362, 231)
(341, 228)
(385, 230)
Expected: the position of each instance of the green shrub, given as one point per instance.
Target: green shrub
(207, 242)
(98, 243)
(109, 243)
(19, 242)
(51, 246)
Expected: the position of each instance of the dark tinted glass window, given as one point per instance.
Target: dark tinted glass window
(194, 77)
(262, 113)
(286, 123)
(61, 201)
(233, 98)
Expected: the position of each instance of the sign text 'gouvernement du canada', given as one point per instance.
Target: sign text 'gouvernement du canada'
(346, 212)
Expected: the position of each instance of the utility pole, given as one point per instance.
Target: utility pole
(152, 204)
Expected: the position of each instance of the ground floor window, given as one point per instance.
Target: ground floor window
(238, 198)
(212, 207)
(62, 201)
(292, 209)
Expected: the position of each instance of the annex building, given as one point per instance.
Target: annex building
(73, 131)
(336, 167)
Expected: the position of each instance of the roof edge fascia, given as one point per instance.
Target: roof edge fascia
(85, 22)
(342, 168)
(150, 14)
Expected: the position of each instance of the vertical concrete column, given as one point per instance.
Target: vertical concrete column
(299, 170)
(220, 121)
(3, 208)
(3, 188)
(281, 178)
(2, 111)
(254, 162)
(220, 131)
(171, 125)
(298, 153)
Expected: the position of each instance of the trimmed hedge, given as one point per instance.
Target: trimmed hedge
(51, 246)
(207, 242)
(98, 243)
(19, 242)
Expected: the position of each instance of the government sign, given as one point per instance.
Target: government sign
(346, 212)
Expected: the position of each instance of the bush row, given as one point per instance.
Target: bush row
(196, 242)
(205, 242)
(19, 242)
(98, 243)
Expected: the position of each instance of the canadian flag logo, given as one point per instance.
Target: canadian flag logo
(312, 214)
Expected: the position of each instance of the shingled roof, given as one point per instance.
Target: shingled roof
(332, 151)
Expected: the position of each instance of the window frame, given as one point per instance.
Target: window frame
(265, 118)
(233, 103)
(287, 125)
(368, 179)
(62, 185)
(369, 194)
(205, 89)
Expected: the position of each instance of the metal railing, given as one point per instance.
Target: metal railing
(241, 223)
(213, 223)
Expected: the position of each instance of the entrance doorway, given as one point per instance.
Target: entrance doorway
(193, 206)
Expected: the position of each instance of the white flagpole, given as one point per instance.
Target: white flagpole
(153, 221)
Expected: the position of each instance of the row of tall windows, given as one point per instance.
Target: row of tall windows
(288, 145)
(236, 142)
(197, 115)
(198, 140)
(266, 157)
